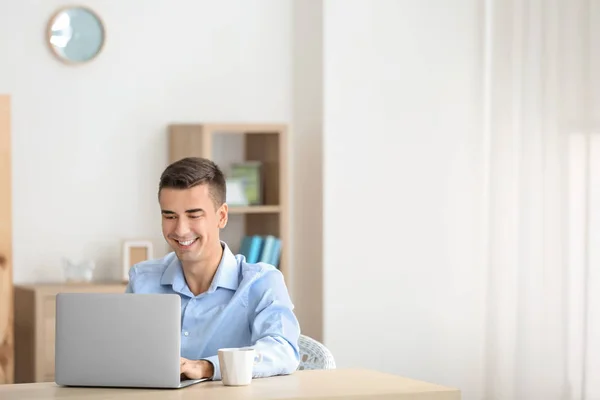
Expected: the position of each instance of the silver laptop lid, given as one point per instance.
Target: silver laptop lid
(119, 340)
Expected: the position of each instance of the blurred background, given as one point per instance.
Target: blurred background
(430, 171)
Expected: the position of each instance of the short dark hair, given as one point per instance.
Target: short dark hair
(193, 171)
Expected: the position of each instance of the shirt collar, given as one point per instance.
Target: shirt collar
(173, 276)
(226, 276)
(228, 271)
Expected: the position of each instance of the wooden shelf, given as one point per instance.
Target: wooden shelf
(254, 209)
(220, 128)
(7, 358)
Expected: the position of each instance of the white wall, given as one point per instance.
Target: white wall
(403, 162)
(89, 142)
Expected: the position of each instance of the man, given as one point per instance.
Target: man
(225, 301)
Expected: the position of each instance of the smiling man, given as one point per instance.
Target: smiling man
(226, 302)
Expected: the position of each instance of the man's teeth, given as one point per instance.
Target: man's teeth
(186, 243)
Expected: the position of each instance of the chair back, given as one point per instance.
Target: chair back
(314, 355)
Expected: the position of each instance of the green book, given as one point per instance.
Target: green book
(250, 173)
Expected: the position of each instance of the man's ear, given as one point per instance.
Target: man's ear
(223, 215)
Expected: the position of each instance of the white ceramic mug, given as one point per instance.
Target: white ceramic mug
(237, 364)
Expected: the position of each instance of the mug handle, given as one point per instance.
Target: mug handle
(257, 358)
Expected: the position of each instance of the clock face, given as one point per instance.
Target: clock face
(76, 35)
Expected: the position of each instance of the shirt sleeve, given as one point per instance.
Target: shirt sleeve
(129, 288)
(131, 273)
(274, 326)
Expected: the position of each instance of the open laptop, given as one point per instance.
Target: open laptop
(118, 340)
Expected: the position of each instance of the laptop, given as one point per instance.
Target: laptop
(118, 340)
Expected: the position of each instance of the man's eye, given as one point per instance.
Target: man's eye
(169, 216)
(194, 216)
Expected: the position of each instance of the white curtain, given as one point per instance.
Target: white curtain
(543, 198)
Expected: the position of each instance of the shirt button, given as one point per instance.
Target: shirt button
(186, 333)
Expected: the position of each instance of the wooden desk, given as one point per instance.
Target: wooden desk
(326, 384)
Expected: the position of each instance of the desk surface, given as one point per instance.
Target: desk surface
(323, 384)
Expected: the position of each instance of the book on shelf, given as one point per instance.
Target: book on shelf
(257, 248)
(249, 175)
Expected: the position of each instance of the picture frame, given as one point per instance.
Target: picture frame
(135, 251)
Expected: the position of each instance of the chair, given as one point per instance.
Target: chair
(314, 355)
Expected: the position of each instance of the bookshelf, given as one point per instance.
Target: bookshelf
(227, 144)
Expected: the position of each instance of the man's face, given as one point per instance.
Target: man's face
(190, 222)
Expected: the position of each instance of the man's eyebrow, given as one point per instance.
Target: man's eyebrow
(192, 211)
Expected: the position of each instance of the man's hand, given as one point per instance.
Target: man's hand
(196, 369)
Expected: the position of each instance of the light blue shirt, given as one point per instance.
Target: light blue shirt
(245, 305)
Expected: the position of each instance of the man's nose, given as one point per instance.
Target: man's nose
(182, 228)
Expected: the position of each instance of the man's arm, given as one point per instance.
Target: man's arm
(132, 275)
(275, 328)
